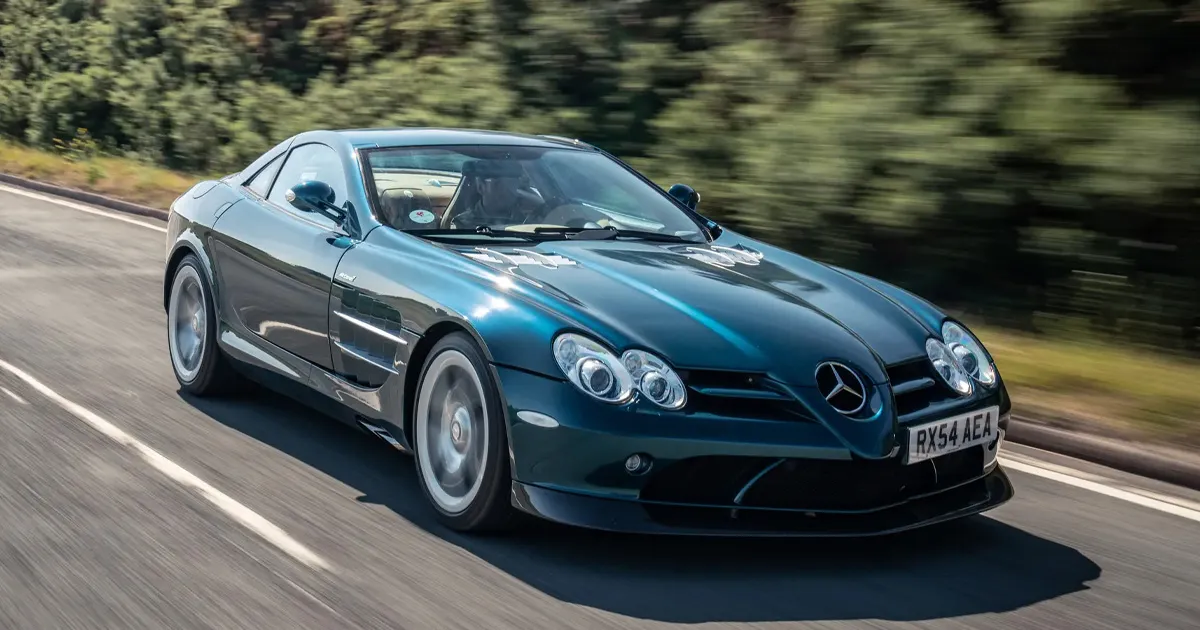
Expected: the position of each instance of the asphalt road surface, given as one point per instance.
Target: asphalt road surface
(124, 505)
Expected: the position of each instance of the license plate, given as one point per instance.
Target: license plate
(952, 434)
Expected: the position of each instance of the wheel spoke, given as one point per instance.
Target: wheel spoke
(437, 408)
(193, 353)
(186, 346)
(470, 472)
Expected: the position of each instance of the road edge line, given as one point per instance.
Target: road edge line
(84, 196)
(1147, 500)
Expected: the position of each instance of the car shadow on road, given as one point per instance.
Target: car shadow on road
(975, 566)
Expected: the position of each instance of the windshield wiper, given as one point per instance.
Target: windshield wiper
(579, 233)
(609, 233)
(481, 230)
(653, 236)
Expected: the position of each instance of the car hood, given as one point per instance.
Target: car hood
(735, 304)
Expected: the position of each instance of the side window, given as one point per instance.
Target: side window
(262, 181)
(309, 162)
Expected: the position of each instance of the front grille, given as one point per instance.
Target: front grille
(723, 379)
(808, 484)
(740, 395)
(749, 408)
(860, 485)
(916, 387)
(706, 480)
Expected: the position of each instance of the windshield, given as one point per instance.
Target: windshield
(539, 191)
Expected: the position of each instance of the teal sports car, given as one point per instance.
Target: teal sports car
(548, 332)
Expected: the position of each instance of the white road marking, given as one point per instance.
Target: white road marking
(13, 395)
(240, 513)
(81, 207)
(1107, 487)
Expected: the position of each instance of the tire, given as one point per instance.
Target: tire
(464, 471)
(191, 314)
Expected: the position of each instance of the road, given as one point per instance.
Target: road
(124, 505)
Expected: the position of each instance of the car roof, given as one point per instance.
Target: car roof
(433, 136)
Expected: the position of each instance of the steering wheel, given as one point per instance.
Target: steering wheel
(527, 196)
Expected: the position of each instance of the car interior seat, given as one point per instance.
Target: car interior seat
(406, 209)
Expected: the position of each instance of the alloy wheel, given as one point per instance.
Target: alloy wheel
(452, 431)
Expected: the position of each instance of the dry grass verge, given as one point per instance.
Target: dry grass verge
(1110, 389)
(121, 178)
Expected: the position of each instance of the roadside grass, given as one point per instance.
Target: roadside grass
(78, 168)
(1088, 385)
(1107, 388)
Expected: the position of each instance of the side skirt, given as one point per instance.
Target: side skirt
(296, 378)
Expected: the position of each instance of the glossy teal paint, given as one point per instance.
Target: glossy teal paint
(923, 311)
(734, 304)
(729, 336)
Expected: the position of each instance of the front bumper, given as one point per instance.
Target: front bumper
(974, 497)
(713, 474)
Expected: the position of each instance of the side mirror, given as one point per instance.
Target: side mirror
(315, 196)
(686, 195)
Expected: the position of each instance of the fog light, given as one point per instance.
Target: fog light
(638, 463)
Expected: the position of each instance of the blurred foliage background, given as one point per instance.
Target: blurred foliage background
(1034, 162)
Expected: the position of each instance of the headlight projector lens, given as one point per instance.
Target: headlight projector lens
(969, 354)
(947, 366)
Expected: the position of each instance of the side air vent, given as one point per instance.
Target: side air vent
(368, 335)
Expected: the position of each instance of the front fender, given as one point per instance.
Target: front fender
(430, 286)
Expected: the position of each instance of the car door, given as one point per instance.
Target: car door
(276, 262)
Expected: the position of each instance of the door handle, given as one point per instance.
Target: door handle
(343, 242)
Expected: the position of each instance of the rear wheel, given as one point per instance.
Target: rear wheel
(460, 438)
(199, 365)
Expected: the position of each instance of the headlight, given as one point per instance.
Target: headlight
(969, 354)
(655, 379)
(592, 368)
(947, 366)
(599, 373)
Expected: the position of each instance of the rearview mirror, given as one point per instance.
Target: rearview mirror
(686, 195)
(315, 196)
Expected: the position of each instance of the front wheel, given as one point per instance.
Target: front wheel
(461, 441)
